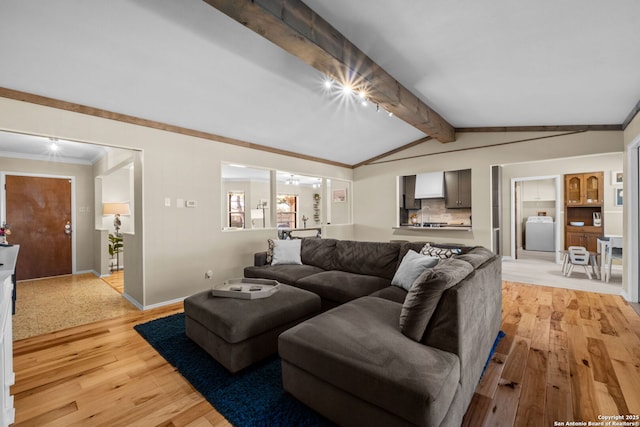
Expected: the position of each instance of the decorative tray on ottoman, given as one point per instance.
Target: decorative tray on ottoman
(246, 288)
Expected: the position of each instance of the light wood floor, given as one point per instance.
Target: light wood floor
(568, 355)
(115, 280)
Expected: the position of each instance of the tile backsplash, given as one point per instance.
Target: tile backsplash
(434, 210)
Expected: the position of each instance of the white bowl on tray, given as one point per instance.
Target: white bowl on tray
(577, 223)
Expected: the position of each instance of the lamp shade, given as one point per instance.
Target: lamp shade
(115, 209)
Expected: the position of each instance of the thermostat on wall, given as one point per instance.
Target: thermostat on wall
(191, 203)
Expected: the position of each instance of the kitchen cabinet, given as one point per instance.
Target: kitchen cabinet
(586, 237)
(584, 189)
(583, 194)
(457, 189)
(410, 201)
(538, 190)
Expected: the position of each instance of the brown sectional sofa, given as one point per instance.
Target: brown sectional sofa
(356, 363)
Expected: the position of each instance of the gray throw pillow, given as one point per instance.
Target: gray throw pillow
(424, 295)
(286, 252)
(412, 265)
(441, 253)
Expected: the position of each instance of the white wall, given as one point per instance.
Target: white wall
(631, 259)
(375, 186)
(592, 163)
(176, 245)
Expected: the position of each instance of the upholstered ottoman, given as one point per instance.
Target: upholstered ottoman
(239, 332)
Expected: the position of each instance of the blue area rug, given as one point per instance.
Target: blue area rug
(501, 335)
(253, 397)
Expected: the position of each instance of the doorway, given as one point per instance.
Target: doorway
(38, 209)
(631, 287)
(536, 198)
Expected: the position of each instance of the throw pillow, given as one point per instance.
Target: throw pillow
(286, 252)
(441, 253)
(412, 265)
(269, 251)
(424, 295)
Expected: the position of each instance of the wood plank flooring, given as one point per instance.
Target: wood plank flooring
(115, 280)
(567, 355)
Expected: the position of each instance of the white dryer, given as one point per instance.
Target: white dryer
(540, 234)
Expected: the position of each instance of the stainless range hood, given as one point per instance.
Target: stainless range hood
(430, 185)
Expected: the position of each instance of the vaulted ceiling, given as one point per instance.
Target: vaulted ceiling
(492, 63)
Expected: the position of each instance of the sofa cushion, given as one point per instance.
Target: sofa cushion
(368, 258)
(423, 298)
(371, 359)
(342, 286)
(318, 252)
(392, 293)
(477, 256)
(412, 265)
(283, 273)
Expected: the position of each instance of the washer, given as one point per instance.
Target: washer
(540, 234)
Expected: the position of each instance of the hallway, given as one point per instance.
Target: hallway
(57, 303)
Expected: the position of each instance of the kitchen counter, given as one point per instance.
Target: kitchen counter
(449, 227)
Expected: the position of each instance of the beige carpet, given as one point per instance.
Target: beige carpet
(53, 304)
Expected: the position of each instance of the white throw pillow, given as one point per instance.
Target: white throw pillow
(412, 266)
(286, 252)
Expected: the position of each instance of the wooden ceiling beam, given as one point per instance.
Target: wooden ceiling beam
(293, 26)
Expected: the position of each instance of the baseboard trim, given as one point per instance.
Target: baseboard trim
(152, 306)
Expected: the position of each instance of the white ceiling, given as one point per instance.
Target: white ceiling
(478, 63)
(39, 148)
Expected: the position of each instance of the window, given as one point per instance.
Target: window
(235, 208)
(287, 212)
(259, 198)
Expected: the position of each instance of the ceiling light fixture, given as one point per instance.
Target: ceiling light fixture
(317, 184)
(347, 89)
(292, 181)
(328, 83)
(53, 144)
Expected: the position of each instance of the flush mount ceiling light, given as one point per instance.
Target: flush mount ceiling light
(53, 144)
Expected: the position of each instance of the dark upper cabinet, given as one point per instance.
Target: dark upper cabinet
(457, 189)
(410, 201)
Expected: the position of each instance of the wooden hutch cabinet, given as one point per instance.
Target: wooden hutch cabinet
(584, 189)
(584, 200)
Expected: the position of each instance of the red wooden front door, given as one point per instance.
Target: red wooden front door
(37, 210)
